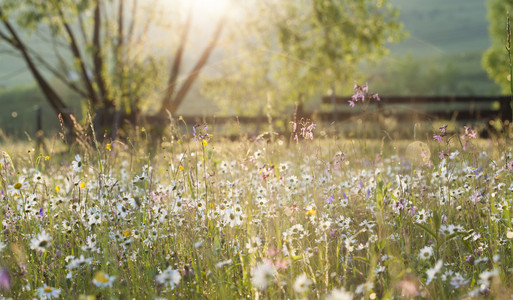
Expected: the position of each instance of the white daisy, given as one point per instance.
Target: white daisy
(426, 252)
(431, 273)
(302, 284)
(41, 242)
(261, 274)
(48, 292)
(101, 279)
(77, 163)
(339, 294)
(169, 277)
(2, 246)
(254, 244)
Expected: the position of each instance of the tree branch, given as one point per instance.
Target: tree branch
(119, 50)
(57, 74)
(77, 56)
(82, 28)
(173, 106)
(133, 21)
(53, 98)
(97, 55)
(175, 69)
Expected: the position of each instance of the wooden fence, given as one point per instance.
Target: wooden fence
(402, 108)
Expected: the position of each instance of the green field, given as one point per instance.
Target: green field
(200, 217)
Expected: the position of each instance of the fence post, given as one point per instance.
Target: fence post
(334, 103)
(39, 129)
(506, 113)
(39, 121)
(259, 120)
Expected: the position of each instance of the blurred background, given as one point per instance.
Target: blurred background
(120, 60)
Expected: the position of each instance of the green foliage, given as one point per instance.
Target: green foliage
(295, 50)
(496, 60)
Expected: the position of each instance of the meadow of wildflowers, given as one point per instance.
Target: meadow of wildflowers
(312, 218)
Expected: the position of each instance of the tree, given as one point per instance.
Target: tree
(100, 51)
(295, 50)
(497, 59)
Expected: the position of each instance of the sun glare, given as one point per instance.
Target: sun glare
(210, 8)
(203, 9)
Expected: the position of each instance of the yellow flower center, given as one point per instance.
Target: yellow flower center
(48, 289)
(100, 277)
(17, 185)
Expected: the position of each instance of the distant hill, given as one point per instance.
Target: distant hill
(442, 27)
(442, 54)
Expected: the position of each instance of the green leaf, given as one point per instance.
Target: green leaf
(428, 230)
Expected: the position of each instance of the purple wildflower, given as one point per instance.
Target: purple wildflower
(330, 199)
(470, 134)
(5, 279)
(306, 130)
(443, 132)
(361, 92)
(365, 88)
(202, 134)
(443, 129)
(398, 206)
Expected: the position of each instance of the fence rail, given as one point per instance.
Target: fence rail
(441, 107)
(401, 108)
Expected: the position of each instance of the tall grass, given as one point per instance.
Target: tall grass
(203, 217)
